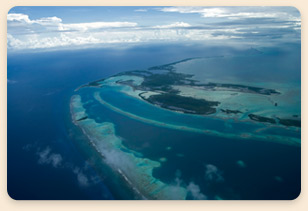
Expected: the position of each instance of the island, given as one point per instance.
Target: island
(165, 87)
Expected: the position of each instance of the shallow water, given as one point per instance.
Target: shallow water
(190, 152)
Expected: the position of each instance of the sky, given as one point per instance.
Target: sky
(54, 28)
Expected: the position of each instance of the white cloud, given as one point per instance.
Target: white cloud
(173, 25)
(18, 17)
(194, 190)
(48, 21)
(34, 41)
(95, 25)
(81, 177)
(104, 33)
(24, 33)
(213, 174)
(46, 157)
(234, 13)
(54, 33)
(141, 10)
(206, 12)
(55, 21)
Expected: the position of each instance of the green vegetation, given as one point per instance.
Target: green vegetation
(242, 88)
(290, 122)
(164, 82)
(285, 122)
(158, 80)
(228, 111)
(261, 118)
(184, 104)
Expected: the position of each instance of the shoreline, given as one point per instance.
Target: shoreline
(157, 189)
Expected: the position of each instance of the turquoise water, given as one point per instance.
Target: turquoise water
(177, 120)
(185, 155)
(163, 154)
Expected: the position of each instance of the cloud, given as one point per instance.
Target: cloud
(48, 21)
(46, 157)
(95, 25)
(173, 25)
(213, 174)
(194, 190)
(55, 21)
(208, 25)
(51, 32)
(206, 12)
(18, 17)
(141, 10)
(33, 41)
(247, 19)
(22, 18)
(11, 81)
(235, 12)
(81, 177)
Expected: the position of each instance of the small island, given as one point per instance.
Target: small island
(228, 111)
(183, 104)
(261, 118)
(290, 122)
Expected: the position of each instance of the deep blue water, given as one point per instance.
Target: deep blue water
(39, 89)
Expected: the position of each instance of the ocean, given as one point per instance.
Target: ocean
(40, 86)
